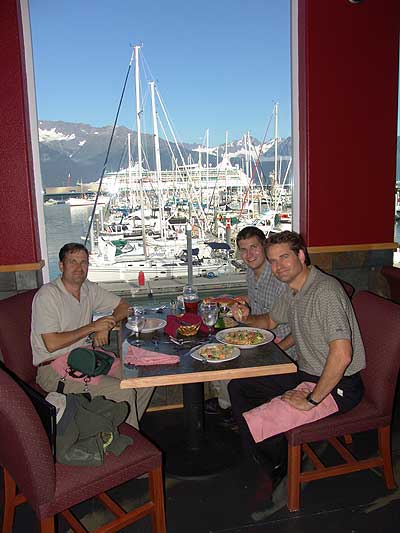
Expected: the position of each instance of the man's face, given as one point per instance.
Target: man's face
(286, 265)
(74, 267)
(252, 252)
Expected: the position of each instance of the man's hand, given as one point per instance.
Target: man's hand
(297, 399)
(103, 326)
(105, 323)
(240, 312)
(100, 338)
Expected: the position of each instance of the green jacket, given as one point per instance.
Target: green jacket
(88, 429)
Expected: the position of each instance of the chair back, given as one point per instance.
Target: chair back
(379, 322)
(347, 287)
(24, 448)
(392, 275)
(15, 329)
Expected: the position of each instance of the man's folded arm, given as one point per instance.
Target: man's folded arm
(287, 342)
(121, 311)
(55, 341)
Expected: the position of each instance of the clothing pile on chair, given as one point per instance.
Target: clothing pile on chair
(88, 429)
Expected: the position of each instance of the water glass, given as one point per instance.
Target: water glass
(135, 321)
(191, 299)
(209, 314)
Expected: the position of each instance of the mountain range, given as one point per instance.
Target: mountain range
(75, 152)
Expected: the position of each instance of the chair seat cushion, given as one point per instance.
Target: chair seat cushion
(363, 417)
(78, 483)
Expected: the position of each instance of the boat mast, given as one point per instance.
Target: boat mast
(276, 147)
(130, 172)
(207, 163)
(158, 162)
(139, 143)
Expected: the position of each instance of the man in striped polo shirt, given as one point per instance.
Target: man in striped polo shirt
(328, 344)
(262, 290)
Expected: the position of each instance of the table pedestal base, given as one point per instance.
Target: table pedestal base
(212, 457)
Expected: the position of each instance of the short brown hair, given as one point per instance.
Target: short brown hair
(251, 231)
(70, 248)
(293, 239)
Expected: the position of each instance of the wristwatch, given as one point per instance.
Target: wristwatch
(310, 400)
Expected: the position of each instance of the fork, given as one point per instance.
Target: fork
(179, 341)
(204, 359)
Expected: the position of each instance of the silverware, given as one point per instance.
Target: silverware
(155, 309)
(186, 341)
(179, 341)
(204, 359)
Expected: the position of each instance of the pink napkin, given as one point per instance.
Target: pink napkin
(60, 364)
(173, 323)
(138, 356)
(278, 416)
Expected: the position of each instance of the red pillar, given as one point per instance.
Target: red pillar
(348, 90)
(19, 235)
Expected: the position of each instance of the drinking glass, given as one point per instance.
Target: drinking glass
(179, 306)
(191, 298)
(135, 321)
(209, 314)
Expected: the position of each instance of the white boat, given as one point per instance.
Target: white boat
(85, 201)
(108, 268)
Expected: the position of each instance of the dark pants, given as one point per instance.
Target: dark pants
(248, 393)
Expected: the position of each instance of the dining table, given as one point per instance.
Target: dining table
(193, 453)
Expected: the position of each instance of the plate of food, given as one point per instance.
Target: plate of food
(215, 353)
(245, 337)
(152, 324)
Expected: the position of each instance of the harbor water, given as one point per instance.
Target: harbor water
(64, 224)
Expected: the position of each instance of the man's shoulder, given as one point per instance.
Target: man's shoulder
(326, 286)
(324, 280)
(49, 289)
(93, 288)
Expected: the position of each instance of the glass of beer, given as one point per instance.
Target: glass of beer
(190, 298)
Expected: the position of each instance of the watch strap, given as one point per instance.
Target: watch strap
(310, 400)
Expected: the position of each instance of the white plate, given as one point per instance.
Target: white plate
(194, 352)
(268, 336)
(152, 324)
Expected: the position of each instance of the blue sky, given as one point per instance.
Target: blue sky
(218, 64)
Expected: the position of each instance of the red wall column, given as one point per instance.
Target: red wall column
(348, 90)
(18, 223)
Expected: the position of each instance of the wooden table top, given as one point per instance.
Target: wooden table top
(264, 360)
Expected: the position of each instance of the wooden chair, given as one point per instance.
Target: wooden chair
(51, 488)
(379, 321)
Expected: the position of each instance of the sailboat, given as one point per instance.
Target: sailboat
(176, 199)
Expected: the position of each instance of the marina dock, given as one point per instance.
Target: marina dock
(167, 288)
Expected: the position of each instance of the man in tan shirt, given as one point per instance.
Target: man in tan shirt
(62, 319)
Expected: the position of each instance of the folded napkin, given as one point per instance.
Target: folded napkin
(173, 323)
(138, 356)
(278, 416)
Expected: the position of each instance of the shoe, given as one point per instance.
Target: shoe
(276, 472)
(212, 407)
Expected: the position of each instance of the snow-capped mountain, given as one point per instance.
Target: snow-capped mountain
(79, 150)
